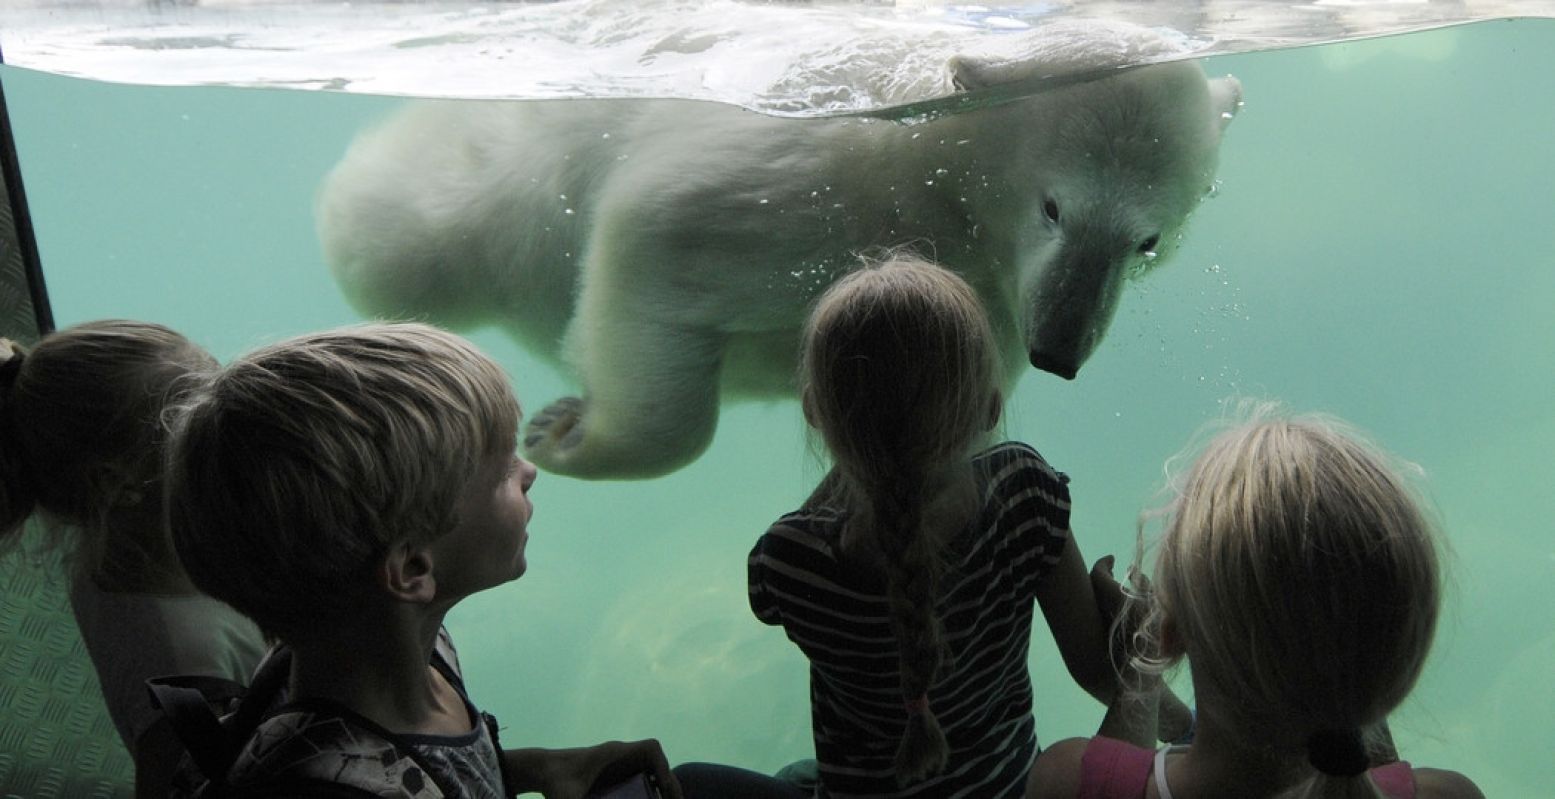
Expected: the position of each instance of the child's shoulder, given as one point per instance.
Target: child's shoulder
(322, 745)
(816, 521)
(1444, 784)
(1057, 770)
(1009, 457)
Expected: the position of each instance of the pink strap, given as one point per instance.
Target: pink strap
(1397, 780)
(1112, 769)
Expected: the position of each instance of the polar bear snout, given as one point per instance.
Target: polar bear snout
(1073, 303)
(1054, 364)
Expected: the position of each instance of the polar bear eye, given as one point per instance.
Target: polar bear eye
(1050, 208)
(1149, 244)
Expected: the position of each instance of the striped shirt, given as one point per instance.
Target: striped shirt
(840, 619)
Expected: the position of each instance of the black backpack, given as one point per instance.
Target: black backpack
(245, 744)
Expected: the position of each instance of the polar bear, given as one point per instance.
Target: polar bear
(667, 251)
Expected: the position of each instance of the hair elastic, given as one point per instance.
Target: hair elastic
(918, 706)
(1337, 753)
(12, 365)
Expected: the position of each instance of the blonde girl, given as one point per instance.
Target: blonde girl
(1298, 576)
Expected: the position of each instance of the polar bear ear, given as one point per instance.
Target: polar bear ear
(968, 72)
(1225, 99)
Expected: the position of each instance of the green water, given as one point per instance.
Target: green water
(1379, 248)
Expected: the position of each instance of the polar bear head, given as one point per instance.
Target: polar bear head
(1116, 161)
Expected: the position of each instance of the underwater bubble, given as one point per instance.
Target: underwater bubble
(763, 201)
(604, 135)
(567, 211)
(928, 183)
(963, 141)
(942, 171)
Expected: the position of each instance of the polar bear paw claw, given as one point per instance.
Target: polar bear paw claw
(557, 427)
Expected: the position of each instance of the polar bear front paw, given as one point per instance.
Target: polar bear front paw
(555, 429)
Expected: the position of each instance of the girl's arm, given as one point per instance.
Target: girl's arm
(1068, 603)
(1147, 709)
(571, 773)
(1073, 602)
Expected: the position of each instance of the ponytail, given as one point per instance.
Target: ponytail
(17, 495)
(81, 430)
(1337, 753)
(1339, 756)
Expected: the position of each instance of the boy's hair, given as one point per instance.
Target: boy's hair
(81, 430)
(899, 373)
(1300, 572)
(300, 464)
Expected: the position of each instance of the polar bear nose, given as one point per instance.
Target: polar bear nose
(1063, 367)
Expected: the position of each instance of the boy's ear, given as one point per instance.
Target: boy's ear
(406, 574)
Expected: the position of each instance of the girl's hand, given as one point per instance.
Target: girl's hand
(1133, 714)
(1109, 594)
(1111, 601)
(573, 773)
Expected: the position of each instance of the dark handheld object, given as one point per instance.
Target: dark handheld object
(638, 786)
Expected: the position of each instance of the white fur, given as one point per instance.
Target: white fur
(664, 248)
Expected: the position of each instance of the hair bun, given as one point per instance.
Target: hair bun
(1337, 753)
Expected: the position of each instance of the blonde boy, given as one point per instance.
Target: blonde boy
(345, 489)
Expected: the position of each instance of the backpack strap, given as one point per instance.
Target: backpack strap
(212, 717)
(300, 789)
(187, 703)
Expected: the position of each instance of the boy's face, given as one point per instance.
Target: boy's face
(486, 547)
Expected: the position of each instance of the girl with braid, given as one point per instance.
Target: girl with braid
(909, 576)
